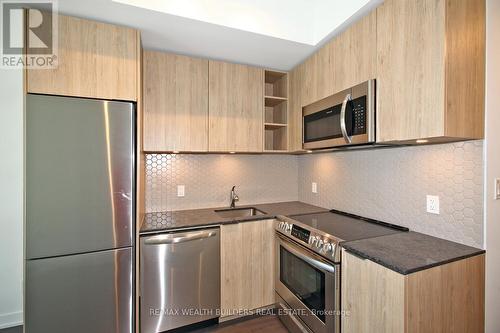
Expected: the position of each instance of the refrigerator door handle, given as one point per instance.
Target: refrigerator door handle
(125, 195)
(175, 239)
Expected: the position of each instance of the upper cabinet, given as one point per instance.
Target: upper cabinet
(353, 54)
(175, 93)
(430, 70)
(275, 111)
(95, 60)
(236, 104)
(347, 60)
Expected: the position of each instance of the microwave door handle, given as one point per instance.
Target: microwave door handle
(343, 128)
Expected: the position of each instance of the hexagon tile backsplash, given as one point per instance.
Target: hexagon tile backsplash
(208, 180)
(386, 184)
(391, 185)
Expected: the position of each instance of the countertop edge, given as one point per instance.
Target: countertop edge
(209, 224)
(413, 270)
(308, 208)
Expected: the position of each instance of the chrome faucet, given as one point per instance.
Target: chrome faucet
(234, 197)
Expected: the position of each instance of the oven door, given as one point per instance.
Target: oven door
(309, 285)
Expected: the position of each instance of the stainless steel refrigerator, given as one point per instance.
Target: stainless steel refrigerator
(79, 215)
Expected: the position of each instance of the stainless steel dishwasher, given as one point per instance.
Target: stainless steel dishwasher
(180, 279)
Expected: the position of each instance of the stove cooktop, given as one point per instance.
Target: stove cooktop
(323, 232)
(347, 227)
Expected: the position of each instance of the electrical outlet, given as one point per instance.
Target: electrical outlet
(433, 204)
(497, 188)
(314, 187)
(180, 190)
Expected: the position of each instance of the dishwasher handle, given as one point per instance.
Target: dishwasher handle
(176, 239)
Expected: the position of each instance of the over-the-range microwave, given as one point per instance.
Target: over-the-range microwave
(344, 119)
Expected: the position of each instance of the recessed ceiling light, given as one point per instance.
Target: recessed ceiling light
(422, 141)
(309, 151)
(231, 152)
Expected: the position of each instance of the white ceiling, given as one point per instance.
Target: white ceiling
(276, 34)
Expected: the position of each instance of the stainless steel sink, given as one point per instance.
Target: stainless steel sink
(239, 212)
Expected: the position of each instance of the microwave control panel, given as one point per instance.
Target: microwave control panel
(359, 115)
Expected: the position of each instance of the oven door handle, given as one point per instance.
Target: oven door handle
(343, 128)
(313, 262)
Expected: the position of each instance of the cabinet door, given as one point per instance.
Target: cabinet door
(247, 266)
(373, 296)
(175, 102)
(354, 54)
(95, 60)
(410, 73)
(236, 107)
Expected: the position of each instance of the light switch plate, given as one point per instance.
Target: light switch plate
(180, 190)
(433, 204)
(497, 189)
(314, 188)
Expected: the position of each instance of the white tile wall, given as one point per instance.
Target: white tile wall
(386, 184)
(208, 180)
(392, 184)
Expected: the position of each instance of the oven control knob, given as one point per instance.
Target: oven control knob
(312, 240)
(280, 225)
(319, 243)
(289, 227)
(333, 249)
(327, 247)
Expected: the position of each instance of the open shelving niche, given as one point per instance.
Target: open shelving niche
(275, 111)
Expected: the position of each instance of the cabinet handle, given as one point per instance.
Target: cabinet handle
(347, 138)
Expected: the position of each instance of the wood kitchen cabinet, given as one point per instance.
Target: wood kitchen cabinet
(446, 298)
(236, 107)
(295, 109)
(247, 266)
(347, 60)
(175, 102)
(430, 70)
(95, 60)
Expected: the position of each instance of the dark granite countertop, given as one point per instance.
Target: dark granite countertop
(409, 252)
(181, 219)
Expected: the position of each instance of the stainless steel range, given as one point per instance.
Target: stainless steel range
(307, 282)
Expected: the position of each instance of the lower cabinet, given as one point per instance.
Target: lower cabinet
(446, 298)
(247, 266)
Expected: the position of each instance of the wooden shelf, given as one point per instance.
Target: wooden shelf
(275, 111)
(273, 126)
(273, 76)
(274, 100)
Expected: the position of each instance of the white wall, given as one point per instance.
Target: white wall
(492, 164)
(11, 197)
